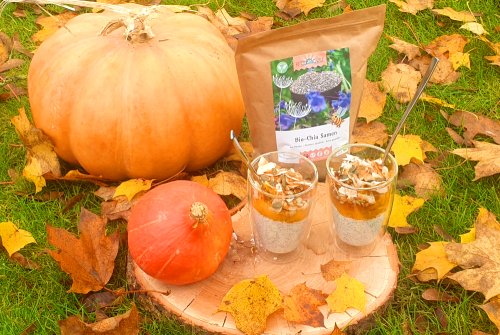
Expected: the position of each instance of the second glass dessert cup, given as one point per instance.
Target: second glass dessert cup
(281, 202)
(361, 191)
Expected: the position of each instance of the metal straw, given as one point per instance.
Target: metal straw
(410, 106)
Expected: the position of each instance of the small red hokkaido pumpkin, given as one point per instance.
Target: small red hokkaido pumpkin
(179, 232)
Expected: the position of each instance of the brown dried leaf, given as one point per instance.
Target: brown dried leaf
(413, 6)
(446, 45)
(13, 91)
(372, 133)
(90, 259)
(372, 102)
(50, 24)
(410, 50)
(426, 180)
(492, 309)
(227, 183)
(432, 294)
(480, 259)
(475, 124)
(23, 261)
(295, 7)
(17, 46)
(11, 64)
(444, 72)
(123, 324)
(301, 306)
(401, 81)
(99, 300)
(335, 269)
(262, 23)
(487, 155)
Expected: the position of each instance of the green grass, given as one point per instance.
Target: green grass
(39, 297)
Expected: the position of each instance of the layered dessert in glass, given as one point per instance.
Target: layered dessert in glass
(281, 199)
(361, 189)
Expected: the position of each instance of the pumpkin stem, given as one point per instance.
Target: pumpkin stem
(199, 212)
(136, 28)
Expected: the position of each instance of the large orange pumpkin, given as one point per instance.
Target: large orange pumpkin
(137, 106)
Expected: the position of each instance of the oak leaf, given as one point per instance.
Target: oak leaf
(475, 124)
(401, 81)
(14, 239)
(335, 269)
(50, 24)
(301, 304)
(349, 292)
(123, 324)
(410, 50)
(487, 155)
(480, 259)
(492, 309)
(413, 6)
(462, 16)
(89, 259)
(424, 178)
(434, 257)
(131, 187)
(41, 157)
(402, 207)
(372, 102)
(251, 301)
(374, 133)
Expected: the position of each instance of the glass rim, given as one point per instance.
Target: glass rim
(254, 183)
(362, 145)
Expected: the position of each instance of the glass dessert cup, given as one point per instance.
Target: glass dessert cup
(361, 192)
(281, 201)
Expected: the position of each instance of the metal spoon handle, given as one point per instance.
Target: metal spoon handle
(418, 93)
(242, 153)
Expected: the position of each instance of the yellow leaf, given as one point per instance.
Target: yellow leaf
(462, 16)
(349, 292)
(434, 257)
(50, 25)
(250, 302)
(495, 60)
(401, 208)
(494, 46)
(226, 183)
(475, 27)
(41, 156)
(401, 81)
(436, 101)
(406, 147)
(131, 187)
(307, 5)
(33, 172)
(14, 239)
(372, 102)
(469, 236)
(459, 59)
(203, 180)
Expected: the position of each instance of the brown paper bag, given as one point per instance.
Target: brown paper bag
(302, 84)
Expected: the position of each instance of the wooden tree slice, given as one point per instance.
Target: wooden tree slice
(197, 304)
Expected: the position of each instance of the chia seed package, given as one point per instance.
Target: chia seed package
(302, 84)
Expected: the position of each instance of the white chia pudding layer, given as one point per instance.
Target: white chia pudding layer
(354, 232)
(276, 236)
